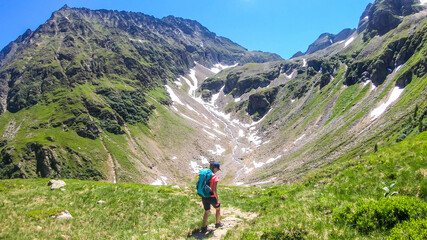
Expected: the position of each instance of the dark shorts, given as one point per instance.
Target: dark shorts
(207, 202)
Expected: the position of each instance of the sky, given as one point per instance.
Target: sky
(279, 26)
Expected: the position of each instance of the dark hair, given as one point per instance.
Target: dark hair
(211, 167)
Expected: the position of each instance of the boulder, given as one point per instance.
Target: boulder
(56, 184)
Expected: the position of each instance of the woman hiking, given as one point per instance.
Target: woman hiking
(213, 199)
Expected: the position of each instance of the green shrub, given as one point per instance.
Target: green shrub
(414, 229)
(380, 215)
(283, 234)
(43, 213)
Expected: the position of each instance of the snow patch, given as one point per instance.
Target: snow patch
(192, 109)
(219, 67)
(239, 183)
(214, 98)
(210, 134)
(292, 100)
(178, 82)
(399, 67)
(174, 158)
(219, 150)
(204, 160)
(273, 159)
(173, 96)
(255, 139)
(221, 133)
(215, 124)
(258, 165)
(423, 1)
(237, 99)
(160, 181)
(241, 133)
(289, 76)
(248, 170)
(189, 118)
(366, 82)
(299, 139)
(304, 62)
(383, 107)
(195, 167)
(348, 42)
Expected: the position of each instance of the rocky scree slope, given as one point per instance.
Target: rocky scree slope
(83, 95)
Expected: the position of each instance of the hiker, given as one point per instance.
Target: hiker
(213, 199)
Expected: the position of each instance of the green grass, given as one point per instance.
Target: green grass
(310, 204)
(131, 211)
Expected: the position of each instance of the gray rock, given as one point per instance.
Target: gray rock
(63, 215)
(101, 202)
(55, 184)
(176, 187)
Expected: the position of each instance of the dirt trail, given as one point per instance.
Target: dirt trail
(110, 163)
(230, 216)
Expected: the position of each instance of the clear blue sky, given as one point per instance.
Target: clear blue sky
(280, 26)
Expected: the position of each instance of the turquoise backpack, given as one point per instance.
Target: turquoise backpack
(203, 188)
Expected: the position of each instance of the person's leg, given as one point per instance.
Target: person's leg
(218, 214)
(205, 218)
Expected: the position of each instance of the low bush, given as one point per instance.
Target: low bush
(414, 229)
(367, 216)
(284, 234)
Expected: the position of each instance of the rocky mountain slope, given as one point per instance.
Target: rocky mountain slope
(115, 95)
(364, 91)
(74, 91)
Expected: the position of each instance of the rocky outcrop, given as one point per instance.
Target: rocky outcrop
(325, 40)
(395, 54)
(385, 15)
(260, 103)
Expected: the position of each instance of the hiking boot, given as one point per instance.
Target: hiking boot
(204, 229)
(218, 225)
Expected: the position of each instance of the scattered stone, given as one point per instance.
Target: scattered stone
(101, 202)
(38, 228)
(64, 214)
(55, 184)
(50, 139)
(65, 237)
(63, 189)
(176, 187)
(232, 219)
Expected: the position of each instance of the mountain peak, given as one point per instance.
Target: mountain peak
(65, 7)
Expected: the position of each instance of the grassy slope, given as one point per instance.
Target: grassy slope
(148, 212)
(309, 205)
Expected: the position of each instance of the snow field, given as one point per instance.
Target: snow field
(348, 42)
(395, 94)
(173, 96)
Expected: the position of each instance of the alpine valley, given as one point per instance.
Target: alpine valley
(124, 97)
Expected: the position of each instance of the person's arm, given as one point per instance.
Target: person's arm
(215, 191)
